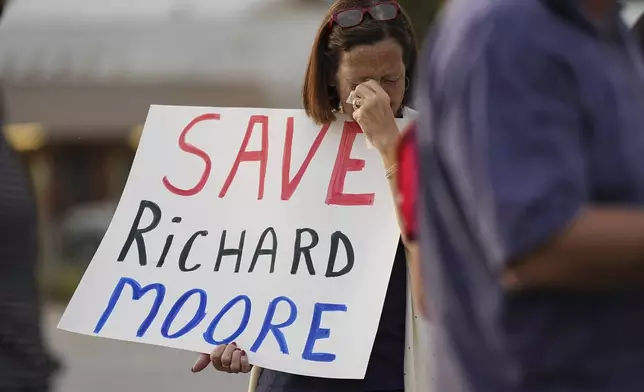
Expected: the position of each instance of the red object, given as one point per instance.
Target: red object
(408, 180)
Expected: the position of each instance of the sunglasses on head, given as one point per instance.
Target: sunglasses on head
(382, 11)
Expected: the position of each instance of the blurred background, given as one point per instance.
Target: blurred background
(78, 77)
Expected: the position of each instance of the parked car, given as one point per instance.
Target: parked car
(82, 230)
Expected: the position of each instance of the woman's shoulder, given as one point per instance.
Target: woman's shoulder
(409, 113)
(408, 120)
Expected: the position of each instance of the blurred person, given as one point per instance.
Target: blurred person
(406, 200)
(531, 188)
(25, 364)
(362, 64)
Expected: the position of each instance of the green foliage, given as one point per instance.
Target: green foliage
(422, 14)
(59, 286)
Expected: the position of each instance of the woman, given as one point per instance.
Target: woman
(362, 64)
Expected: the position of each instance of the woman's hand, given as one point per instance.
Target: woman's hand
(373, 112)
(225, 358)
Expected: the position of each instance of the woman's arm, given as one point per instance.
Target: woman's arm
(377, 121)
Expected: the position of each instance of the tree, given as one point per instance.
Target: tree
(422, 14)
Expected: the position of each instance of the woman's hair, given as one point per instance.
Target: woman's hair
(319, 96)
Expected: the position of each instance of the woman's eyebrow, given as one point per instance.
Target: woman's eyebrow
(391, 76)
(394, 75)
(358, 80)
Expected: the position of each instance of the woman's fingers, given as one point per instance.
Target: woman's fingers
(202, 362)
(235, 364)
(245, 365)
(227, 356)
(370, 94)
(363, 91)
(375, 87)
(215, 357)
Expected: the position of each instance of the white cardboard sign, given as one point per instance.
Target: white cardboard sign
(248, 225)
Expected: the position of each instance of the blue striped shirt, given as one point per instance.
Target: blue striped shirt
(528, 112)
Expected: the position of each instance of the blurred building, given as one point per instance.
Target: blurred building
(80, 75)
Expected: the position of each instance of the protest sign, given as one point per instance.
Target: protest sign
(249, 225)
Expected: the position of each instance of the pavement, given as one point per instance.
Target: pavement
(105, 365)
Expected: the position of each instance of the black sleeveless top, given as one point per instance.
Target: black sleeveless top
(386, 365)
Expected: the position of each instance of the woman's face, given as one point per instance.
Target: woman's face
(382, 62)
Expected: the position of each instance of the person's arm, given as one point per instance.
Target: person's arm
(377, 121)
(521, 177)
(375, 117)
(391, 160)
(601, 249)
(406, 194)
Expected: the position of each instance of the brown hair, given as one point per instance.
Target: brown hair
(319, 96)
